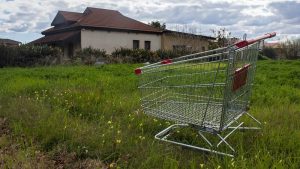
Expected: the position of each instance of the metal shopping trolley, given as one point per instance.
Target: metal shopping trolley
(208, 91)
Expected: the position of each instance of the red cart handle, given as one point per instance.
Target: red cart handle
(244, 43)
(239, 44)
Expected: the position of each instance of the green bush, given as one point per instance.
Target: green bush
(269, 52)
(29, 55)
(89, 55)
(125, 55)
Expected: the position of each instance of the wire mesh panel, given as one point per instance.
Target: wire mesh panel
(207, 90)
(192, 89)
(241, 69)
(182, 90)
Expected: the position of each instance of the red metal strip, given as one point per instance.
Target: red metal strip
(138, 71)
(240, 77)
(166, 61)
(244, 43)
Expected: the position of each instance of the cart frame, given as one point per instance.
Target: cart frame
(231, 74)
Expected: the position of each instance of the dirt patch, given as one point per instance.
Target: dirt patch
(4, 128)
(64, 159)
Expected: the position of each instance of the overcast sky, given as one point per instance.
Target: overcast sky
(23, 20)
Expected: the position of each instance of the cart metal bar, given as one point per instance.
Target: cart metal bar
(223, 140)
(239, 45)
(253, 118)
(204, 138)
(161, 136)
(208, 91)
(244, 43)
(181, 61)
(199, 85)
(234, 128)
(186, 56)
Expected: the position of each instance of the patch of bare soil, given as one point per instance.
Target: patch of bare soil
(64, 159)
(4, 129)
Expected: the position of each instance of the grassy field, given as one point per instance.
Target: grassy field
(89, 117)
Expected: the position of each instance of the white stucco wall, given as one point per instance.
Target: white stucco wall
(109, 40)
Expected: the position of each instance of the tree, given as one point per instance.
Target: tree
(158, 25)
(290, 49)
(223, 37)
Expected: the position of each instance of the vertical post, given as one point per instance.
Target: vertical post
(227, 88)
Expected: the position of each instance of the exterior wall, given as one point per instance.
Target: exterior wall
(110, 40)
(193, 43)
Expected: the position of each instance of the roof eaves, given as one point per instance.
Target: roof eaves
(69, 28)
(120, 29)
(184, 33)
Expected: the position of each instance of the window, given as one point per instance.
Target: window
(147, 45)
(70, 49)
(136, 44)
(203, 48)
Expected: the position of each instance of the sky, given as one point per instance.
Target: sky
(23, 20)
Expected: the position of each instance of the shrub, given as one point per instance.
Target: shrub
(90, 56)
(125, 55)
(269, 52)
(290, 49)
(29, 55)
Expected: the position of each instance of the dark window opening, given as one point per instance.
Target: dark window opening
(136, 44)
(70, 49)
(147, 45)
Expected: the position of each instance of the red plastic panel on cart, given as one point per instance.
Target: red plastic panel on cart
(240, 77)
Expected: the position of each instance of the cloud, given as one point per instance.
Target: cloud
(252, 17)
(20, 28)
(288, 10)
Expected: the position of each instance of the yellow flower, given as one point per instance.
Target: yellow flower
(118, 141)
(109, 122)
(201, 165)
(142, 137)
(119, 132)
(112, 165)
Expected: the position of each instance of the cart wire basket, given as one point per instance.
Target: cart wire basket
(208, 91)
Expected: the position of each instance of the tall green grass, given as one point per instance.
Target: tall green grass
(95, 112)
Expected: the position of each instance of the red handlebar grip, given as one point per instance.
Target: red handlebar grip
(138, 71)
(250, 41)
(167, 61)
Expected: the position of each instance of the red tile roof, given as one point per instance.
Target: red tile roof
(112, 19)
(58, 37)
(101, 19)
(71, 16)
(9, 42)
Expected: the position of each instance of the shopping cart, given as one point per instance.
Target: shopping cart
(208, 91)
